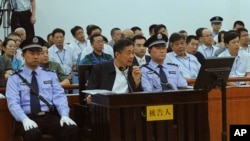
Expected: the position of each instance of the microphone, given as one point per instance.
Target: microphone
(129, 86)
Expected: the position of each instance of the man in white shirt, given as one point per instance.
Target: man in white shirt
(241, 65)
(62, 53)
(207, 48)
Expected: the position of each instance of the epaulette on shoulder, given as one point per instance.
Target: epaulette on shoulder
(47, 69)
(173, 64)
(15, 72)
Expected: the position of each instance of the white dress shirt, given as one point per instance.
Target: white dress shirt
(120, 83)
(207, 51)
(141, 61)
(66, 57)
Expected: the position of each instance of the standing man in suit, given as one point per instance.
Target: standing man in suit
(117, 75)
(140, 51)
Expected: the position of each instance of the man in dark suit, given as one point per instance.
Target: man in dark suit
(140, 50)
(119, 75)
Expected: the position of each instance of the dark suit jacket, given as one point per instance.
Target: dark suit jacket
(135, 62)
(103, 77)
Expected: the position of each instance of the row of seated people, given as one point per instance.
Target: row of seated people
(179, 54)
(157, 75)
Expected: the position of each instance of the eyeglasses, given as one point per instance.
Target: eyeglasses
(208, 35)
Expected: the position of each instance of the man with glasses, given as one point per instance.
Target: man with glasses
(207, 48)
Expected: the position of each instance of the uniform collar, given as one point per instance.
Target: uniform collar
(28, 71)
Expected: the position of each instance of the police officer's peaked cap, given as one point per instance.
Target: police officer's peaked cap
(216, 19)
(158, 38)
(35, 42)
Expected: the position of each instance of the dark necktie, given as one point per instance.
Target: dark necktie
(34, 100)
(163, 78)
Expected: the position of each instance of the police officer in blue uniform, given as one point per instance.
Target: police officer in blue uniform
(158, 75)
(34, 116)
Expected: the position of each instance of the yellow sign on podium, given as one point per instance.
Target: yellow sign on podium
(160, 112)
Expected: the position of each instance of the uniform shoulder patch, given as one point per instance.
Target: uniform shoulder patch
(47, 69)
(173, 64)
(15, 72)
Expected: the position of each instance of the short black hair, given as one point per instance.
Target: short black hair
(199, 31)
(176, 37)
(105, 39)
(230, 35)
(74, 29)
(158, 27)
(152, 27)
(93, 36)
(138, 37)
(239, 30)
(182, 31)
(91, 28)
(220, 34)
(50, 34)
(190, 37)
(112, 32)
(121, 44)
(58, 30)
(135, 28)
(239, 23)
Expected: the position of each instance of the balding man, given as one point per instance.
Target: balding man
(127, 33)
(21, 31)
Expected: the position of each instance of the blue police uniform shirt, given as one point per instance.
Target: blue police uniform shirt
(18, 93)
(189, 65)
(151, 81)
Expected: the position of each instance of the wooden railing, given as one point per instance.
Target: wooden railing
(190, 81)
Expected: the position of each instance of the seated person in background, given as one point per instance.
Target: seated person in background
(34, 117)
(188, 64)
(97, 56)
(241, 65)
(119, 75)
(140, 51)
(44, 62)
(5, 70)
(17, 38)
(220, 44)
(158, 75)
(192, 42)
(9, 47)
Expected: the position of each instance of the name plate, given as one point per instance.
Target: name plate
(160, 112)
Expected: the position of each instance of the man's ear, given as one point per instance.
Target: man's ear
(116, 54)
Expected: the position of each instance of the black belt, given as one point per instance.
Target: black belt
(38, 114)
(22, 12)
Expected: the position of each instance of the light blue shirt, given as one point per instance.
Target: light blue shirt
(21, 5)
(66, 58)
(189, 65)
(18, 93)
(207, 51)
(16, 64)
(241, 63)
(151, 81)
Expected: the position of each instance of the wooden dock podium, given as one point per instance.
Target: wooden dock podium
(121, 117)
